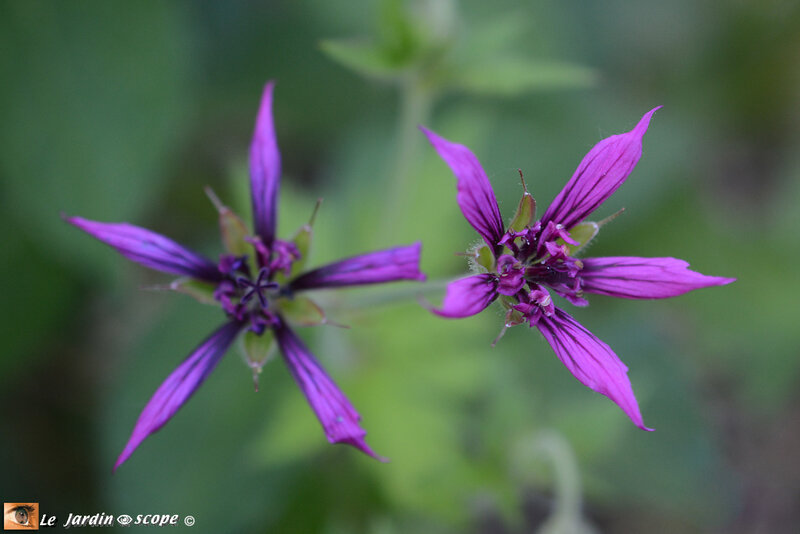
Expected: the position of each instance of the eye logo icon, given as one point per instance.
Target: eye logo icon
(20, 516)
(124, 520)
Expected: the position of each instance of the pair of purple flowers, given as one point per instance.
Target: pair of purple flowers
(259, 280)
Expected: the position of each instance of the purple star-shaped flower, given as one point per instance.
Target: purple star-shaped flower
(257, 284)
(521, 264)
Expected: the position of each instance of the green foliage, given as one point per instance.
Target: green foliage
(512, 76)
(426, 42)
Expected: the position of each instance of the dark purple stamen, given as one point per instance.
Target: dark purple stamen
(260, 287)
(229, 264)
(545, 274)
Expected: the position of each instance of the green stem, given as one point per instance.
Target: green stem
(549, 444)
(415, 105)
(567, 478)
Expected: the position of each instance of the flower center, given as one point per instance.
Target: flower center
(262, 288)
(537, 259)
(248, 298)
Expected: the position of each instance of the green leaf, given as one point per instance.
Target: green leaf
(398, 32)
(510, 76)
(364, 58)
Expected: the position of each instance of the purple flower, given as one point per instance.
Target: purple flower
(257, 284)
(520, 265)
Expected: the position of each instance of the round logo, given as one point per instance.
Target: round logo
(189, 520)
(124, 520)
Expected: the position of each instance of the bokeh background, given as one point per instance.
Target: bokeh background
(123, 111)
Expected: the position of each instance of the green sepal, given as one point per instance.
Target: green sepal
(257, 351)
(233, 232)
(507, 302)
(514, 318)
(526, 213)
(197, 289)
(302, 240)
(483, 258)
(302, 311)
(583, 233)
(258, 348)
(231, 226)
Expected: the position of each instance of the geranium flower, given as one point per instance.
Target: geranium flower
(256, 283)
(520, 265)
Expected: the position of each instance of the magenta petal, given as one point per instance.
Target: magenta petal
(643, 278)
(179, 386)
(338, 417)
(591, 361)
(475, 195)
(400, 263)
(468, 296)
(600, 173)
(265, 170)
(149, 249)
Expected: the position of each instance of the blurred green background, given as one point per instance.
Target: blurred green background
(123, 111)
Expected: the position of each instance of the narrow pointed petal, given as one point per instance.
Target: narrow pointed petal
(468, 296)
(643, 278)
(601, 172)
(179, 386)
(265, 170)
(475, 194)
(150, 249)
(338, 417)
(591, 361)
(400, 263)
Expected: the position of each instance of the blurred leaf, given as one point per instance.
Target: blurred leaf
(398, 32)
(364, 58)
(406, 40)
(501, 76)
